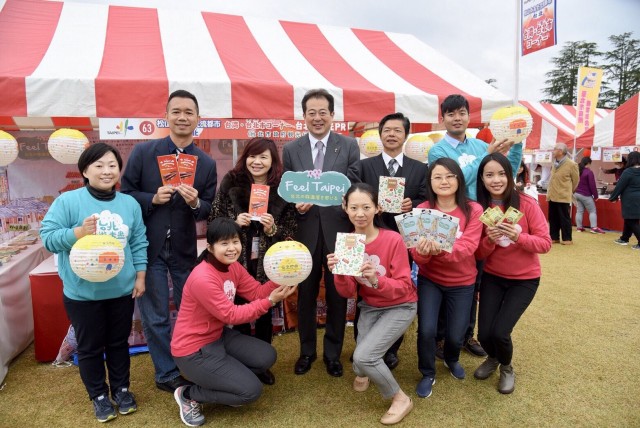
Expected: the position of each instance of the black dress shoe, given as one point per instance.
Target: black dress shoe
(266, 377)
(334, 367)
(303, 364)
(173, 384)
(391, 360)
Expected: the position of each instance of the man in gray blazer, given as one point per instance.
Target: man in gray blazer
(318, 226)
(394, 129)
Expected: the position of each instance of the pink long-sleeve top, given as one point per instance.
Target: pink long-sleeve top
(458, 267)
(207, 305)
(389, 254)
(518, 260)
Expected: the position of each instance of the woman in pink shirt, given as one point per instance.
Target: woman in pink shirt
(446, 278)
(388, 304)
(512, 268)
(221, 362)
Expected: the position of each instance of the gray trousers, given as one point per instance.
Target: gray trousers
(223, 371)
(378, 329)
(589, 204)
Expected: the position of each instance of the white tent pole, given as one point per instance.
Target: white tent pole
(517, 52)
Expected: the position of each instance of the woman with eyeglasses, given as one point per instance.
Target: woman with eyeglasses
(446, 278)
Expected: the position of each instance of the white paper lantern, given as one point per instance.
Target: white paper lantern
(287, 263)
(513, 123)
(8, 148)
(370, 143)
(66, 145)
(418, 145)
(97, 258)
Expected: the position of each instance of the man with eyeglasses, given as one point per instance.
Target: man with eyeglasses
(468, 153)
(394, 129)
(317, 228)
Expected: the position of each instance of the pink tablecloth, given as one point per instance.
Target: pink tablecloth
(16, 314)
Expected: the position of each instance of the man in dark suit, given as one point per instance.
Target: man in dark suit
(170, 214)
(318, 226)
(394, 129)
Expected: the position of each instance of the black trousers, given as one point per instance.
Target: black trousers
(102, 330)
(631, 226)
(503, 303)
(560, 220)
(307, 308)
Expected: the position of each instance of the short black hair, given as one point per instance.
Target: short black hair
(317, 93)
(395, 116)
(633, 159)
(219, 229)
(453, 103)
(92, 154)
(181, 93)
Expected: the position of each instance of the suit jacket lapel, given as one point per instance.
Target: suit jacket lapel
(379, 167)
(405, 171)
(304, 153)
(332, 152)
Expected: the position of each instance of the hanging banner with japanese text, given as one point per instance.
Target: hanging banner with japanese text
(589, 80)
(538, 25)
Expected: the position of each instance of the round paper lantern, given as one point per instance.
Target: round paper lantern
(417, 146)
(8, 148)
(513, 123)
(97, 258)
(287, 263)
(370, 143)
(66, 145)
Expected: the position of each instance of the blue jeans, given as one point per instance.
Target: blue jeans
(154, 310)
(457, 303)
(378, 329)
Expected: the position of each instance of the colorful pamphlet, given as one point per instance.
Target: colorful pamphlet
(491, 216)
(427, 222)
(169, 170)
(350, 254)
(258, 201)
(187, 168)
(408, 228)
(446, 230)
(391, 194)
(511, 216)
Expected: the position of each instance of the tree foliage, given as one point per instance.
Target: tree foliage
(621, 65)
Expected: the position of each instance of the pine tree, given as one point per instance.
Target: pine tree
(622, 68)
(561, 81)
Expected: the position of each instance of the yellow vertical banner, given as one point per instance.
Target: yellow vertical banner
(589, 81)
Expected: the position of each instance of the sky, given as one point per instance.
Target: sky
(480, 35)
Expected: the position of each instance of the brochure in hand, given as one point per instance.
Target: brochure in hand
(258, 201)
(431, 224)
(391, 194)
(350, 254)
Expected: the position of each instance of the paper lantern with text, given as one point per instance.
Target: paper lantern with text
(370, 143)
(513, 123)
(417, 146)
(97, 258)
(66, 145)
(8, 148)
(287, 263)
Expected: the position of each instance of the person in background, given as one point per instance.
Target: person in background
(563, 182)
(617, 171)
(628, 190)
(468, 153)
(394, 129)
(512, 267)
(586, 195)
(444, 278)
(324, 150)
(388, 304)
(522, 177)
(100, 312)
(258, 164)
(170, 215)
(222, 362)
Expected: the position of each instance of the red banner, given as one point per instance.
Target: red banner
(538, 25)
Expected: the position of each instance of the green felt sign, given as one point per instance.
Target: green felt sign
(314, 187)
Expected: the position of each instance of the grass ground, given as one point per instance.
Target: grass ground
(576, 358)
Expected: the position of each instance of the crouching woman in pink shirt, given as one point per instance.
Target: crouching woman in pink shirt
(512, 268)
(221, 362)
(389, 298)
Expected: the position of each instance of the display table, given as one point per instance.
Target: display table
(50, 322)
(609, 213)
(16, 316)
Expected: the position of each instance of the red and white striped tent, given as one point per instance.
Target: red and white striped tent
(554, 123)
(620, 128)
(66, 60)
